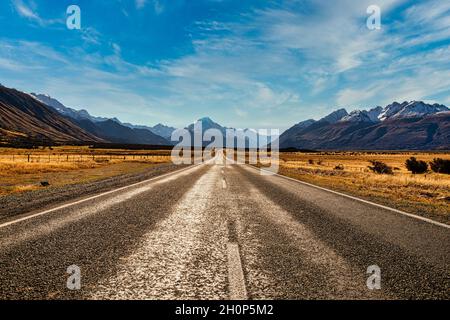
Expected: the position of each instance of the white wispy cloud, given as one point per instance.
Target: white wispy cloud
(29, 11)
(26, 11)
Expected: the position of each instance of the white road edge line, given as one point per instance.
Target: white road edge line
(6, 224)
(236, 278)
(359, 199)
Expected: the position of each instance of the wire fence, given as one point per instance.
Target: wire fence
(51, 158)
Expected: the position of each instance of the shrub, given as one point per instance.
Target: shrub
(339, 167)
(440, 165)
(416, 166)
(380, 167)
(311, 161)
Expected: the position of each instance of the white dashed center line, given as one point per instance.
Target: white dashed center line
(236, 278)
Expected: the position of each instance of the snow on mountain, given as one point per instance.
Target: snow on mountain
(418, 109)
(207, 123)
(413, 109)
(363, 115)
(391, 110)
(252, 137)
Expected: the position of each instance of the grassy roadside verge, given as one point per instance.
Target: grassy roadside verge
(24, 170)
(60, 177)
(46, 198)
(426, 195)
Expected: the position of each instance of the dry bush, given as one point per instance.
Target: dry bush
(380, 167)
(416, 166)
(440, 166)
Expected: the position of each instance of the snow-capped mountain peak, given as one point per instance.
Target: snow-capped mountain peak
(417, 109)
(412, 109)
(395, 110)
(206, 123)
(391, 110)
(363, 115)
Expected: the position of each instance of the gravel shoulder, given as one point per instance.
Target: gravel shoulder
(16, 204)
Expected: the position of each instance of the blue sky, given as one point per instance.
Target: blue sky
(246, 63)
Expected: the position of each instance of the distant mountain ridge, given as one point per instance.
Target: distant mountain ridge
(115, 132)
(80, 115)
(252, 137)
(159, 129)
(407, 125)
(66, 111)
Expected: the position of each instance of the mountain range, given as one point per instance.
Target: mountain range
(82, 115)
(416, 125)
(413, 125)
(251, 137)
(113, 130)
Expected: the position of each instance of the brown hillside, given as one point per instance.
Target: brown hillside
(23, 117)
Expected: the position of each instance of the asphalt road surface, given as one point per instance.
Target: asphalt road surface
(216, 231)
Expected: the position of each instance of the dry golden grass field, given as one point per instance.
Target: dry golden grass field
(424, 194)
(24, 169)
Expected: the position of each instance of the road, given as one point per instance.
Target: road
(217, 231)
